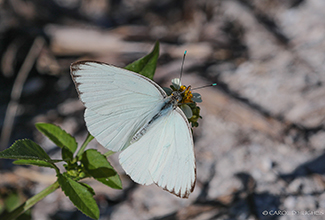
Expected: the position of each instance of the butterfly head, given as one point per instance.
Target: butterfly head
(186, 100)
(176, 97)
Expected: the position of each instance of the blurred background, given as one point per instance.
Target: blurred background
(260, 145)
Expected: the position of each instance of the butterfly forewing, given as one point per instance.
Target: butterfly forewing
(118, 101)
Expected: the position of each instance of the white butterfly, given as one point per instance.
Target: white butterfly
(128, 112)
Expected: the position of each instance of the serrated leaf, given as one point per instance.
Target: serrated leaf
(58, 136)
(39, 163)
(99, 168)
(90, 189)
(114, 182)
(67, 155)
(79, 195)
(146, 65)
(25, 149)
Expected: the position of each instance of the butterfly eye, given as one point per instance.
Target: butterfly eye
(179, 98)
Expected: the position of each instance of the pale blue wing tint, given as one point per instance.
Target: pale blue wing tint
(164, 155)
(118, 101)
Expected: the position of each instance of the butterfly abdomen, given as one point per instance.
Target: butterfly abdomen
(167, 107)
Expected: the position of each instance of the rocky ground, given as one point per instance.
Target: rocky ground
(260, 145)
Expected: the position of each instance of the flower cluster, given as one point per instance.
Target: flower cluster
(188, 102)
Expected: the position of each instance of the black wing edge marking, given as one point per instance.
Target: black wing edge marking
(188, 192)
(74, 67)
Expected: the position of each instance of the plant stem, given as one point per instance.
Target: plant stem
(32, 201)
(109, 153)
(84, 145)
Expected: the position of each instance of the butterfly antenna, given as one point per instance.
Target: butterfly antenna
(180, 77)
(213, 84)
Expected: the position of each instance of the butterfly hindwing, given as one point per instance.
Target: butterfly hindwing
(166, 155)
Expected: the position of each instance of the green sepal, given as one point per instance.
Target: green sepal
(168, 91)
(187, 110)
(196, 114)
(58, 136)
(80, 195)
(146, 65)
(196, 97)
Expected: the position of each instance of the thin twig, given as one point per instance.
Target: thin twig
(32, 201)
(17, 89)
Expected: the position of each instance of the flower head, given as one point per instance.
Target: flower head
(188, 101)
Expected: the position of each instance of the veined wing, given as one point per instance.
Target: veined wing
(118, 102)
(164, 155)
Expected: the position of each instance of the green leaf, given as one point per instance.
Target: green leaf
(67, 155)
(39, 163)
(60, 137)
(114, 182)
(99, 168)
(12, 201)
(79, 195)
(25, 149)
(146, 65)
(90, 189)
